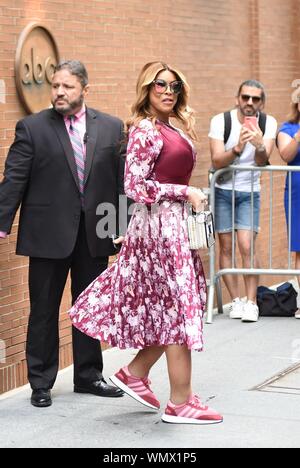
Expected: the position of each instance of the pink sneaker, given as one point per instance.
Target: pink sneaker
(191, 412)
(137, 388)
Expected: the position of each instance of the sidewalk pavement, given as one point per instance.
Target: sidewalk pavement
(237, 358)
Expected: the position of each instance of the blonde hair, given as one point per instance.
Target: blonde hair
(294, 115)
(141, 107)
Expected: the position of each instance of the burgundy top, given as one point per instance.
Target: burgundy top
(175, 163)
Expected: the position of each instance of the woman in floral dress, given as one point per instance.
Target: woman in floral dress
(153, 297)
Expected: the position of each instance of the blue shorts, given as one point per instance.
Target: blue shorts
(242, 215)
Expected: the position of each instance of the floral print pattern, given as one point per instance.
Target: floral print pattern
(155, 292)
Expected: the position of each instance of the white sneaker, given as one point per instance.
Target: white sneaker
(297, 314)
(236, 309)
(251, 312)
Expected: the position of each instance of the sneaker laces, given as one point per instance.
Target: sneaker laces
(195, 402)
(237, 300)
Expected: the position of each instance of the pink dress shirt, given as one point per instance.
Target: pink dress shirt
(80, 124)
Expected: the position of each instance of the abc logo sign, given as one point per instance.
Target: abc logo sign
(37, 55)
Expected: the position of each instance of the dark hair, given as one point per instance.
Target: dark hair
(76, 68)
(253, 84)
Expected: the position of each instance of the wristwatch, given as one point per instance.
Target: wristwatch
(235, 152)
(261, 148)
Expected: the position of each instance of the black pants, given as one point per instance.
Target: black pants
(47, 279)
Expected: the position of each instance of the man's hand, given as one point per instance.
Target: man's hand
(253, 136)
(243, 140)
(263, 148)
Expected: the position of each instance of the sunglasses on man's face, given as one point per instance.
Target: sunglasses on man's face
(247, 97)
(161, 86)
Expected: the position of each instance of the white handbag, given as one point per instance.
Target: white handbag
(201, 230)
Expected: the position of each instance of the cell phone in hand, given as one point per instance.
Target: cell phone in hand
(250, 122)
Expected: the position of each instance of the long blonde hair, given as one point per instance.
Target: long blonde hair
(294, 115)
(141, 107)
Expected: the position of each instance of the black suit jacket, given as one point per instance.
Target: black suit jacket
(40, 173)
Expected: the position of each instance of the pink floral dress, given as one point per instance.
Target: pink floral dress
(155, 292)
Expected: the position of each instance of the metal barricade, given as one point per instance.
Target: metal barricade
(215, 276)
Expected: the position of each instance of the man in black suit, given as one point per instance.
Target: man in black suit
(63, 164)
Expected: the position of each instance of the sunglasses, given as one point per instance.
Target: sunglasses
(247, 97)
(161, 86)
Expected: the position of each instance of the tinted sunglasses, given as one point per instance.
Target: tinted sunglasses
(161, 86)
(255, 99)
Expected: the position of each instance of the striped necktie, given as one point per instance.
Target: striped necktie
(78, 149)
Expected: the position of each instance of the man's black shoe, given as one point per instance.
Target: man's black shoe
(99, 388)
(41, 398)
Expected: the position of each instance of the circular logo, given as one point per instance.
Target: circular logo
(36, 57)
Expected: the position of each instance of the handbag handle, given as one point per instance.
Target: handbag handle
(192, 212)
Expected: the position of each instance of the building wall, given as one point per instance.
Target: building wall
(216, 44)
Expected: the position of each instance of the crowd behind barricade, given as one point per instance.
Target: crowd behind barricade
(245, 136)
(67, 161)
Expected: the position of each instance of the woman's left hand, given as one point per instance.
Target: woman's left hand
(119, 240)
(197, 198)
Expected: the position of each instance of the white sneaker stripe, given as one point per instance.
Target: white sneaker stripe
(119, 383)
(187, 412)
